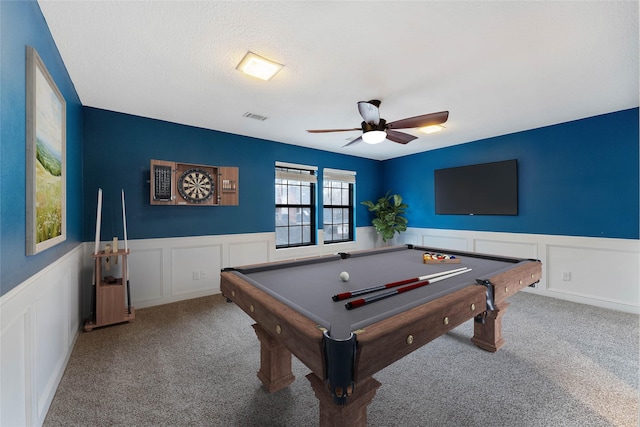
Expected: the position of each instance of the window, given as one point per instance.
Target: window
(295, 205)
(337, 200)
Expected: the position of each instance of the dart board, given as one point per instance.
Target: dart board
(196, 185)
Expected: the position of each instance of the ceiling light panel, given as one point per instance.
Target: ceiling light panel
(258, 66)
(431, 129)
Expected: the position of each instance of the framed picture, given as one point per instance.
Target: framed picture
(46, 158)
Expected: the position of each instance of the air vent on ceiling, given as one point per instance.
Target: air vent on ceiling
(254, 116)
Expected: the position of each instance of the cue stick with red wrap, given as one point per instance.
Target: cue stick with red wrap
(368, 300)
(363, 291)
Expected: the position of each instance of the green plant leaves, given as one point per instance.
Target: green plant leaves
(388, 219)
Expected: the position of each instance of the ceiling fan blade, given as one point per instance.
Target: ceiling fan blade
(353, 142)
(331, 130)
(420, 121)
(369, 111)
(399, 137)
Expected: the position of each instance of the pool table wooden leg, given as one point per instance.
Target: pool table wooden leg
(275, 362)
(488, 335)
(354, 413)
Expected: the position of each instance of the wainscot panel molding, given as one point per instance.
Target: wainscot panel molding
(39, 323)
(174, 269)
(195, 269)
(163, 271)
(609, 274)
(597, 271)
(152, 274)
(459, 243)
(366, 238)
(515, 249)
(247, 253)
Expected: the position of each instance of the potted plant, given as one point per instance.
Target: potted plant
(388, 210)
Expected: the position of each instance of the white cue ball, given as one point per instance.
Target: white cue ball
(344, 276)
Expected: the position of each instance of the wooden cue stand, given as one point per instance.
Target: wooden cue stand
(110, 302)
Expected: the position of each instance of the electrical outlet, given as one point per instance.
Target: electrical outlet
(566, 276)
(195, 275)
(202, 275)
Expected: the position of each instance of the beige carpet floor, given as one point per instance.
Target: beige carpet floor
(194, 363)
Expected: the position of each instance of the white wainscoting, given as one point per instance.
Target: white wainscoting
(167, 270)
(589, 270)
(163, 271)
(39, 323)
(603, 272)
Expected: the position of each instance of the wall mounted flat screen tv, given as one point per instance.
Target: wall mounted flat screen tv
(483, 189)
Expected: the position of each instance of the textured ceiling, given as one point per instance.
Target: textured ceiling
(498, 67)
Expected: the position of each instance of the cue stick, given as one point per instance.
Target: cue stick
(368, 300)
(363, 291)
(126, 248)
(95, 252)
(98, 221)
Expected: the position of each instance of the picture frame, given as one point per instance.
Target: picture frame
(46, 216)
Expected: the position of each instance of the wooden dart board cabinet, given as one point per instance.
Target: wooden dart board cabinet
(186, 184)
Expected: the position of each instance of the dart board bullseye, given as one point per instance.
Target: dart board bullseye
(196, 185)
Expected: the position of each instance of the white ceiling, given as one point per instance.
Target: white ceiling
(497, 67)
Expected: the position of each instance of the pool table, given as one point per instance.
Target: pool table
(292, 305)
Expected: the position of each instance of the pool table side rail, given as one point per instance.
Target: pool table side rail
(512, 280)
(254, 268)
(388, 340)
(391, 339)
(460, 253)
(299, 334)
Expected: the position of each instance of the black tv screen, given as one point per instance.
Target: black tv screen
(483, 189)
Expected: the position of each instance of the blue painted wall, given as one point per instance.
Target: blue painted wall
(22, 25)
(119, 147)
(578, 178)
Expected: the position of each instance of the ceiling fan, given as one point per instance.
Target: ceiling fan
(375, 130)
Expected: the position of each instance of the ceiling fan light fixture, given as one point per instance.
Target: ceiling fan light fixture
(374, 136)
(258, 66)
(431, 129)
